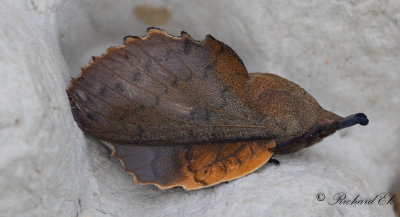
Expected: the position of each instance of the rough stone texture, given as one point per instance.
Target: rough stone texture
(345, 53)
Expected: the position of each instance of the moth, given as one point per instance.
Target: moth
(181, 112)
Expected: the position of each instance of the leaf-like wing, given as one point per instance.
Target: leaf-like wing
(193, 166)
(165, 90)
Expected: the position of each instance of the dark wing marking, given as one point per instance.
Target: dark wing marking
(165, 90)
(192, 166)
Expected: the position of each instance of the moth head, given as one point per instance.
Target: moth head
(327, 124)
(291, 115)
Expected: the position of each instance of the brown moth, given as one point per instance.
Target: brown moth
(181, 112)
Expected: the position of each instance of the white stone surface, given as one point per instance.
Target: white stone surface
(345, 53)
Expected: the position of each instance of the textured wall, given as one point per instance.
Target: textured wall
(345, 53)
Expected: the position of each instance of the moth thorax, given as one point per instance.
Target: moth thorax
(288, 110)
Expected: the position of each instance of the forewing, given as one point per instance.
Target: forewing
(165, 90)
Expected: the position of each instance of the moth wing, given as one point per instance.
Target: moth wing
(192, 166)
(165, 90)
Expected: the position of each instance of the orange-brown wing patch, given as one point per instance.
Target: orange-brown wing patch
(192, 166)
(209, 165)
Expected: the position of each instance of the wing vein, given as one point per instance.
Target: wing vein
(143, 71)
(137, 102)
(212, 105)
(173, 118)
(82, 103)
(122, 78)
